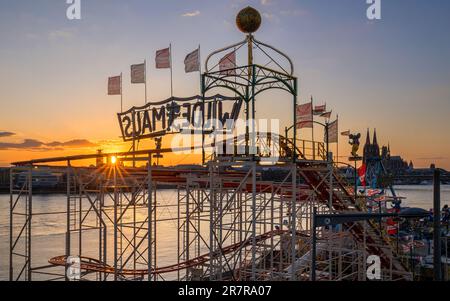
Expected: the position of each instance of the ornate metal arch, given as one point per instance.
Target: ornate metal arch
(252, 79)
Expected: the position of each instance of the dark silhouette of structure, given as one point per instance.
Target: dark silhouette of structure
(392, 164)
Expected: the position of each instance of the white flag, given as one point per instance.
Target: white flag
(192, 61)
(305, 115)
(163, 58)
(115, 85)
(228, 63)
(326, 115)
(138, 74)
(320, 109)
(332, 132)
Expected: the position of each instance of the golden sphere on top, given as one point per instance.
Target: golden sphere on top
(248, 20)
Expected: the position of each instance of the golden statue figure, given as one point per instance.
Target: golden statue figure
(354, 142)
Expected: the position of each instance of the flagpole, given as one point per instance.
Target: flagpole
(203, 102)
(200, 67)
(121, 94)
(171, 75)
(145, 79)
(337, 145)
(134, 142)
(312, 128)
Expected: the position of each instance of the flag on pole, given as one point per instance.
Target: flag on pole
(318, 110)
(332, 132)
(114, 85)
(346, 133)
(374, 192)
(362, 175)
(192, 61)
(228, 62)
(138, 74)
(305, 116)
(162, 59)
(380, 199)
(326, 115)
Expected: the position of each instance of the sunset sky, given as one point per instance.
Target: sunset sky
(391, 74)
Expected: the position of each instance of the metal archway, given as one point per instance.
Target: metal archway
(252, 79)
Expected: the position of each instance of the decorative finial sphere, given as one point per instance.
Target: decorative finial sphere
(248, 20)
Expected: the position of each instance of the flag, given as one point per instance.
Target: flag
(228, 62)
(304, 116)
(332, 132)
(192, 61)
(373, 192)
(326, 115)
(346, 133)
(115, 85)
(362, 175)
(163, 58)
(318, 110)
(380, 199)
(138, 74)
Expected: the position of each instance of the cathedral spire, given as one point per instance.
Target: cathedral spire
(368, 137)
(375, 141)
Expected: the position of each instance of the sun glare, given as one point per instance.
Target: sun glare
(113, 160)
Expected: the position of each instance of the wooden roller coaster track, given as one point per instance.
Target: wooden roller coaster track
(93, 265)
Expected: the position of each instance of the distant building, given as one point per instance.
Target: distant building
(4, 178)
(393, 164)
(396, 164)
(40, 179)
(371, 149)
(99, 162)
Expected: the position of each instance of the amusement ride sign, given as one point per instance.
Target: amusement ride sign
(175, 114)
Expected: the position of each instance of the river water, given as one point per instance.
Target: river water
(48, 234)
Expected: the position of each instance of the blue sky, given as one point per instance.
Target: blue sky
(392, 74)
